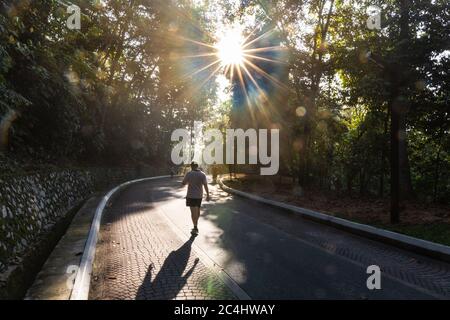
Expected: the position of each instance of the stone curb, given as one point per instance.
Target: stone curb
(431, 249)
(81, 286)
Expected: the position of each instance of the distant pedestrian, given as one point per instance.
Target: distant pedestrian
(215, 172)
(196, 181)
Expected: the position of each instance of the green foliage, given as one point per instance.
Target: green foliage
(114, 91)
(107, 93)
(332, 74)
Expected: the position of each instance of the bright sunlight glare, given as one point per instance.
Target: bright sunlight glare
(230, 48)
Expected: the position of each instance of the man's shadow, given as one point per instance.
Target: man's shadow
(170, 279)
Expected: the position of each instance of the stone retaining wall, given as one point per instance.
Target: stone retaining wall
(30, 205)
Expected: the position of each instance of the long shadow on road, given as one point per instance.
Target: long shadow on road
(170, 279)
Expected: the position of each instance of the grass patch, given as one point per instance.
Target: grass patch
(435, 232)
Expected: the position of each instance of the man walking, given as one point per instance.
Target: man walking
(196, 181)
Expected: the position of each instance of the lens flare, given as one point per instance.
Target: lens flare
(238, 55)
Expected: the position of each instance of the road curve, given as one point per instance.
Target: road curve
(273, 254)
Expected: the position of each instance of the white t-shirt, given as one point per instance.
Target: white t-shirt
(195, 180)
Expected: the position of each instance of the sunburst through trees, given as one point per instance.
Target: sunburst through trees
(242, 58)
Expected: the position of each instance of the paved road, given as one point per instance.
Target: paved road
(269, 253)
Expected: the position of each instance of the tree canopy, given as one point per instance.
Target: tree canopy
(113, 92)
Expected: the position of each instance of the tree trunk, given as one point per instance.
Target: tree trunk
(395, 170)
(349, 183)
(316, 76)
(436, 169)
(362, 183)
(383, 155)
(406, 189)
(400, 173)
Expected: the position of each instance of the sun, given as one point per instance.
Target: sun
(230, 49)
(235, 56)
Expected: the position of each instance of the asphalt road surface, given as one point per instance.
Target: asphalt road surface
(274, 254)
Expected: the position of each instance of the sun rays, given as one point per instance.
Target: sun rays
(239, 57)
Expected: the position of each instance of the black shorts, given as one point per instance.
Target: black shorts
(191, 202)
